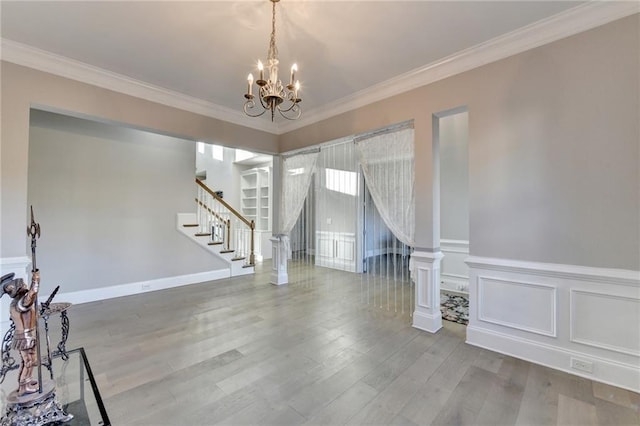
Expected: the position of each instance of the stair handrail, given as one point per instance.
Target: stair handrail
(250, 223)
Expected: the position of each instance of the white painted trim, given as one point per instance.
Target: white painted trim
(612, 361)
(552, 332)
(573, 21)
(103, 293)
(28, 56)
(608, 371)
(455, 283)
(454, 246)
(591, 343)
(426, 322)
(10, 264)
(453, 291)
(425, 271)
(279, 261)
(452, 249)
(584, 273)
(458, 276)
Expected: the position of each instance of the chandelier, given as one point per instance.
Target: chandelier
(273, 95)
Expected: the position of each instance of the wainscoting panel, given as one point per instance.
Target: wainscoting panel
(519, 305)
(454, 275)
(325, 247)
(603, 321)
(582, 320)
(336, 250)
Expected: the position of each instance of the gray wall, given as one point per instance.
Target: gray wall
(454, 177)
(553, 149)
(553, 156)
(24, 87)
(106, 198)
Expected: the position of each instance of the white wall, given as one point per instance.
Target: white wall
(106, 198)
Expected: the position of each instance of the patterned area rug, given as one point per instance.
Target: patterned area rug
(454, 307)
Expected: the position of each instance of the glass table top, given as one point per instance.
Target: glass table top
(76, 389)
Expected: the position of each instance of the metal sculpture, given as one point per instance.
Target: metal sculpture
(34, 402)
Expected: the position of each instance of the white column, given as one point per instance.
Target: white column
(426, 275)
(279, 273)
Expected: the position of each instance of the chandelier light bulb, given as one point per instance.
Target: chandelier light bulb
(294, 68)
(261, 69)
(250, 83)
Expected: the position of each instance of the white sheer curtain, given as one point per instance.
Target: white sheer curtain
(387, 164)
(296, 178)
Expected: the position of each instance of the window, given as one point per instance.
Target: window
(243, 155)
(341, 181)
(200, 147)
(217, 152)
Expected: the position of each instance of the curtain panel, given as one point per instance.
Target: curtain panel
(387, 161)
(297, 171)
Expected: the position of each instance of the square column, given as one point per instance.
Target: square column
(279, 260)
(426, 274)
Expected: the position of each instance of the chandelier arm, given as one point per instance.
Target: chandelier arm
(293, 105)
(249, 105)
(297, 112)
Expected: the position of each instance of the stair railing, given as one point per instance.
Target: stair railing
(216, 218)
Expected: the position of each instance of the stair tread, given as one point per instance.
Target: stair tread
(215, 243)
(248, 266)
(190, 225)
(203, 234)
(227, 251)
(238, 258)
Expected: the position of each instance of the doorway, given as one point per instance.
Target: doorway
(452, 146)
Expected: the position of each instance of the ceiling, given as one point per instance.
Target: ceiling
(205, 49)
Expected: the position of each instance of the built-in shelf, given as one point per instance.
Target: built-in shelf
(256, 196)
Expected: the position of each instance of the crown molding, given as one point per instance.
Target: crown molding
(570, 22)
(573, 21)
(28, 56)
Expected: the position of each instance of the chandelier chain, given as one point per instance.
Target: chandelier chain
(273, 49)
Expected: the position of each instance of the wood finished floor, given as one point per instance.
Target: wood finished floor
(241, 351)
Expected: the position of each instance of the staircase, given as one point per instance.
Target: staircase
(221, 230)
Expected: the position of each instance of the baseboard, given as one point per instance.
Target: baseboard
(96, 294)
(604, 370)
(104, 293)
(582, 320)
(427, 322)
(455, 284)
